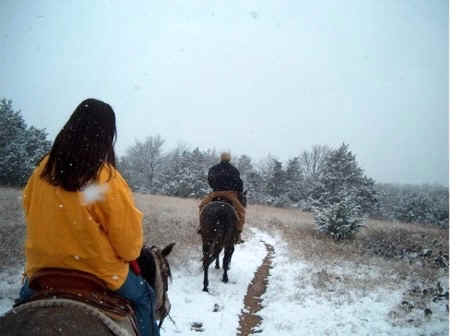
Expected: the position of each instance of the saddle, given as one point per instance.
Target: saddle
(222, 199)
(79, 286)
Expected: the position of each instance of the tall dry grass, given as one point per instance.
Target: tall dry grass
(170, 219)
(12, 228)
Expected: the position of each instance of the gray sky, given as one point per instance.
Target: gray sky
(256, 77)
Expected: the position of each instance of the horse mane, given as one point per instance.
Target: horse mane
(156, 271)
(146, 263)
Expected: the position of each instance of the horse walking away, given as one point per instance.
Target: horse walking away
(69, 302)
(218, 232)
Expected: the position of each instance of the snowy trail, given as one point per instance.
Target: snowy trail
(250, 321)
(216, 313)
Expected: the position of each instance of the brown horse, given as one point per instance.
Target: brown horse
(218, 232)
(64, 316)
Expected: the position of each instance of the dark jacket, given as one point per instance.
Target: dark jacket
(224, 176)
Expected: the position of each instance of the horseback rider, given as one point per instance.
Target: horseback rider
(227, 185)
(80, 212)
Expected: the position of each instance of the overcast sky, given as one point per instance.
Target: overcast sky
(255, 77)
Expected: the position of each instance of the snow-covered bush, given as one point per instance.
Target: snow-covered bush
(340, 219)
(341, 195)
(426, 204)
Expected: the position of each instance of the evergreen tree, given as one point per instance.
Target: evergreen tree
(21, 147)
(254, 182)
(184, 173)
(195, 174)
(342, 195)
(276, 185)
(169, 173)
(244, 165)
(294, 180)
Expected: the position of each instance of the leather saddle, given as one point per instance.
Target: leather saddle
(80, 286)
(222, 199)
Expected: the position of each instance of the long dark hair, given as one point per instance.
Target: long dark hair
(83, 145)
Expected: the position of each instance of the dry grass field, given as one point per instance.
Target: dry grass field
(168, 219)
(379, 244)
(12, 228)
(173, 219)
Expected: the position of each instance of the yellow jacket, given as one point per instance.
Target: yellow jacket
(98, 230)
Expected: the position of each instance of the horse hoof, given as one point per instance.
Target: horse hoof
(206, 290)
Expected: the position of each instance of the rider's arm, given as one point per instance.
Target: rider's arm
(211, 178)
(123, 221)
(26, 195)
(237, 183)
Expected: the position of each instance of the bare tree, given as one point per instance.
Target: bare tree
(312, 161)
(141, 162)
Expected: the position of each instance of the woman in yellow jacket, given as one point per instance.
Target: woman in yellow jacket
(80, 212)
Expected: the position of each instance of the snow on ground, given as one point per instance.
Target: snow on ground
(10, 282)
(190, 304)
(292, 304)
(291, 310)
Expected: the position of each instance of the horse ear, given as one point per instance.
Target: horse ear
(167, 250)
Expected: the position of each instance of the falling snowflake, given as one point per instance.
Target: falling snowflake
(253, 14)
(93, 193)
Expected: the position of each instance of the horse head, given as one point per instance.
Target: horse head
(156, 271)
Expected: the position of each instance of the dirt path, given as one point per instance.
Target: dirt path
(249, 322)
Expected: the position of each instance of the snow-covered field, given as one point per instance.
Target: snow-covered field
(293, 303)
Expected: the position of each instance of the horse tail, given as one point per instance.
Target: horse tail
(229, 226)
(212, 247)
(217, 243)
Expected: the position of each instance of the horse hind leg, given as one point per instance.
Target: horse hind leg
(206, 256)
(210, 252)
(206, 280)
(226, 262)
(217, 261)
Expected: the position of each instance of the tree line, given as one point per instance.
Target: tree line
(21, 147)
(327, 181)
